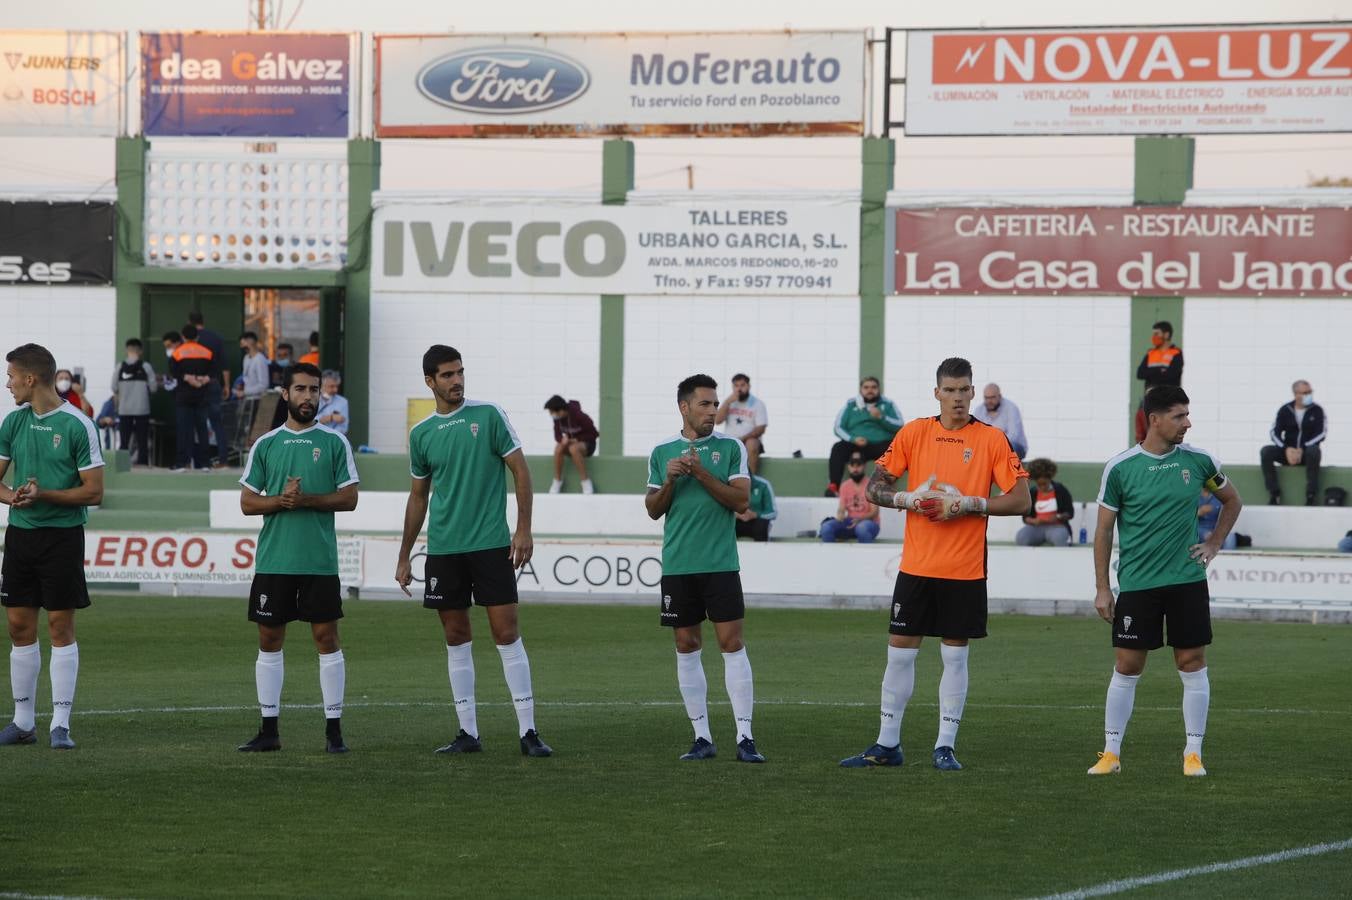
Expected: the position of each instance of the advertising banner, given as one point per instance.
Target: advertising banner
(705, 248)
(202, 558)
(56, 243)
(1199, 251)
(61, 83)
(1208, 80)
(246, 84)
(577, 85)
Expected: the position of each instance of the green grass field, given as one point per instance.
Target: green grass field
(156, 802)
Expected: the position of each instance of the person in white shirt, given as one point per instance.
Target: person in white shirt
(745, 418)
(1004, 415)
(255, 371)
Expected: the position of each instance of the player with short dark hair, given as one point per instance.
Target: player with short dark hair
(457, 457)
(941, 589)
(1149, 493)
(699, 480)
(297, 476)
(54, 450)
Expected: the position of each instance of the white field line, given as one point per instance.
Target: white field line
(12, 895)
(1234, 865)
(622, 704)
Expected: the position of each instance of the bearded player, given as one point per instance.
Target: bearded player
(950, 461)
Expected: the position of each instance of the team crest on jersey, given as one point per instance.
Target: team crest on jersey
(56, 441)
(896, 610)
(1126, 623)
(474, 428)
(715, 456)
(1187, 476)
(316, 454)
(262, 600)
(432, 584)
(967, 455)
(666, 602)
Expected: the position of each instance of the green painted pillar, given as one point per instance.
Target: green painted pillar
(129, 239)
(879, 159)
(1163, 176)
(617, 180)
(363, 179)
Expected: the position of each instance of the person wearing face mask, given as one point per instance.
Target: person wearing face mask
(745, 418)
(70, 391)
(574, 438)
(133, 383)
(1161, 365)
(1297, 440)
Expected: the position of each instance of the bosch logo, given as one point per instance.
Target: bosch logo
(503, 80)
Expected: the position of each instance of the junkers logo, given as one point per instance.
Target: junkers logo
(503, 80)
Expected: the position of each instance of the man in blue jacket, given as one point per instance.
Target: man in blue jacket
(1297, 440)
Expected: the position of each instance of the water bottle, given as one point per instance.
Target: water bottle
(1084, 532)
(1084, 535)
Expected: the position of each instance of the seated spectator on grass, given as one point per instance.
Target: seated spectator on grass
(574, 438)
(856, 516)
(760, 511)
(1048, 522)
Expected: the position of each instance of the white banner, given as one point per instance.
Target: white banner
(740, 247)
(202, 558)
(1206, 80)
(572, 85)
(61, 83)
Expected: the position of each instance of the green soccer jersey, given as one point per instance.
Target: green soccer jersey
(299, 541)
(54, 448)
(762, 501)
(1155, 498)
(463, 452)
(699, 534)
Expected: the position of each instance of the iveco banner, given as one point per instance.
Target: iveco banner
(56, 243)
(1207, 80)
(245, 84)
(60, 83)
(574, 85)
(1243, 251)
(716, 249)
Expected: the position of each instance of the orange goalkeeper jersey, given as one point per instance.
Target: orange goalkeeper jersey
(969, 459)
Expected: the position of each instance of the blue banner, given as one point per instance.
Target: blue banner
(243, 84)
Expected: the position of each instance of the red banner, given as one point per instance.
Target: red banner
(1149, 250)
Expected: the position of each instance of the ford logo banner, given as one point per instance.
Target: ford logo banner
(503, 80)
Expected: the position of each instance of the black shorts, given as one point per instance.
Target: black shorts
(451, 580)
(1139, 620)
(278, 599)
(689, 599)
(44, 568)
(938, 607)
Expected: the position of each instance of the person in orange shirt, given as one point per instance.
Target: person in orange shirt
(313, 356)
(950, 461)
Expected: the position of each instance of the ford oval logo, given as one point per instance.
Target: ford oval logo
(503, 80)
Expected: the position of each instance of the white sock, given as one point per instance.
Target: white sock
(24, 665)
(898, 683)
(268, 671)
(1196, 699)
(588, 487)
(555, 486)
(694, 691)
(737, 679)
(516, 668)
(332, 682)
(460, 662)
(64, 670)
(1117, 710)
(952, 693)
